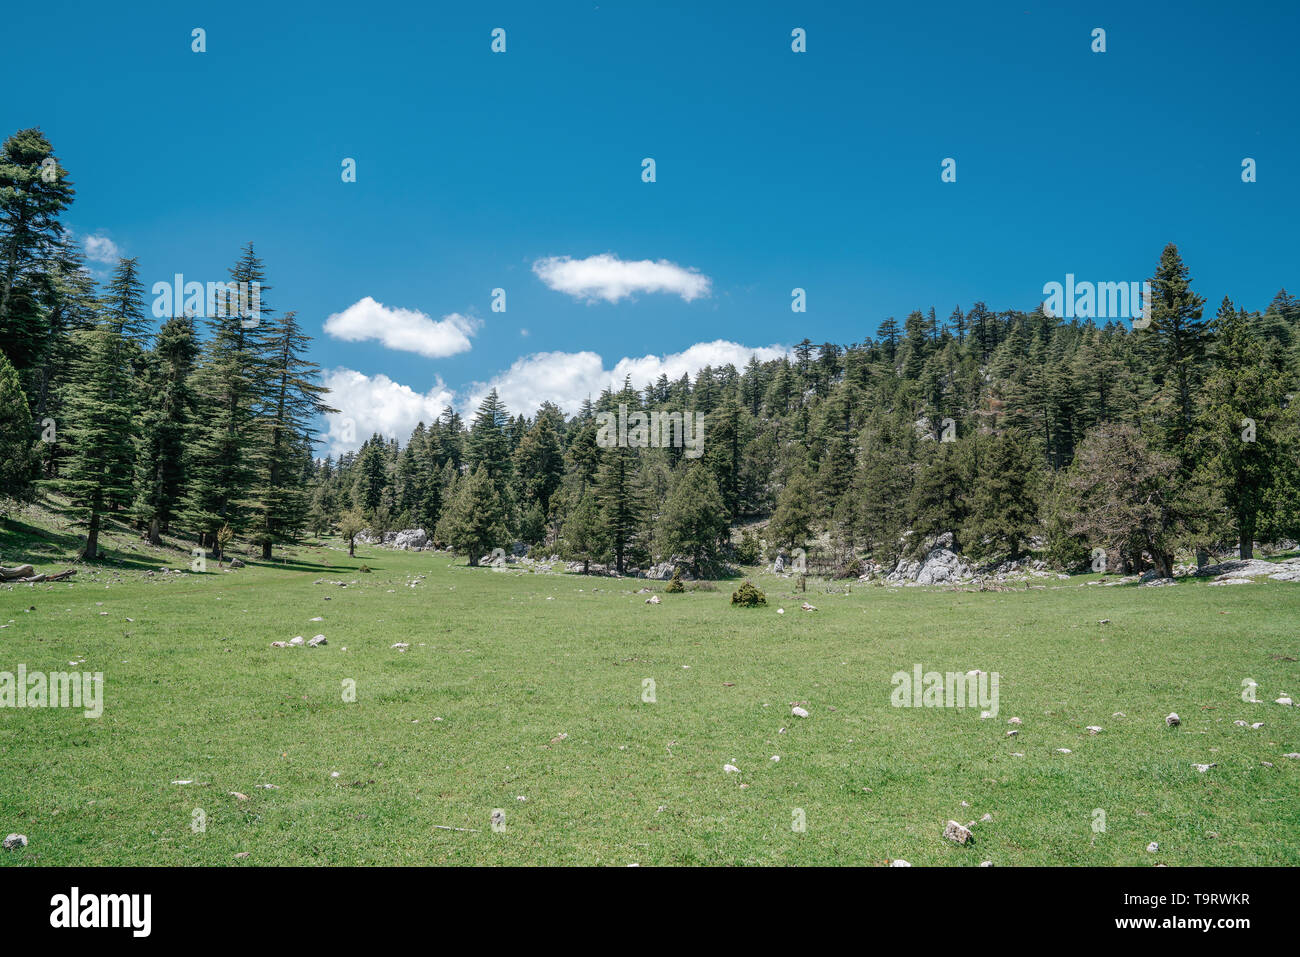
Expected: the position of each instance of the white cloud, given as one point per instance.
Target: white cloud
(368, 405)
(101, 249)
(567, 378)
(609, 278)
(406, 329)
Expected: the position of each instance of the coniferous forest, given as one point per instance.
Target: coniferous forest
(1014, 432)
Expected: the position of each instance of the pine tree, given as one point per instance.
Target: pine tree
(15, 434)
(792, 521)
(539, 459)
(621, 499)
(225, 452)
(33, 193)
(1240, 425)
(1003, 513)
(476, 521)
(584, 537)
(164, 422)
(293, 399)
(694, 520)
(1178, 341)
(100, 423)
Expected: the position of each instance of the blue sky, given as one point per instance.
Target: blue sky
(775, 169)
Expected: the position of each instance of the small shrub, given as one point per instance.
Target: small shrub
(748, 596)
(851, 570)
(365, 569)
(675, 587)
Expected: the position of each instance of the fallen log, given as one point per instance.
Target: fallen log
(27, 575)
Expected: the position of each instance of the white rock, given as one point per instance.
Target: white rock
(1283, 700)
(957, 833)
(317, 642)
(1013, 732)
(1063, 751)
(986, 863)
(899, 863)
(798, 712)
(296, 641)
(1204, 767)
(781, 611)
(1152, 847)
(14, 841)
(653, 600)
(731, 769)
(1093, 729)
(1014, 721)
(1172, 719)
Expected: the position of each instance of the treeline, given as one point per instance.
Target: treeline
(210, 436)
(1011, 430)
(1014, 431)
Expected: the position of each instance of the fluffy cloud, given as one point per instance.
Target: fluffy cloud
(101, 249)
(609, 278)
(406, 329)
(376, 404)
(567, 378)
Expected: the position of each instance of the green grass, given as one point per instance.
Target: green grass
(508, 661)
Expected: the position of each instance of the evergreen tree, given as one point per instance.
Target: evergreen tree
(621, 500)
(476, 521)
(164, 422)
(792, 522)
(15, 434)
(34, 191)
(1240, 426)
(225, 452)
(694, 521)
(293, 400)
(101, 420)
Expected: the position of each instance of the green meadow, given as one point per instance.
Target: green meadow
(525, 692)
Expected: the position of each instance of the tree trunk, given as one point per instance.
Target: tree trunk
(154, 538)
(1202, 559)
(266, 551)
(352, 548)
(1246, 538)
(91, 551)
(586, 565)
(1164, 564)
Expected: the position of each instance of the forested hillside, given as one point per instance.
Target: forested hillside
(1014, 431)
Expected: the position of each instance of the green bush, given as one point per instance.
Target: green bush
(675, 587)
(748, 596)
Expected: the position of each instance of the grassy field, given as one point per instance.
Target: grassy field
(523, 692)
